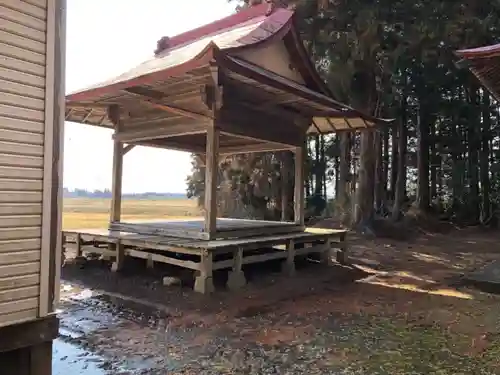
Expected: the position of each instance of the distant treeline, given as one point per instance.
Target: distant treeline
(82, 193)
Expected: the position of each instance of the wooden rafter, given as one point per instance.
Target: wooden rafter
(155, 99)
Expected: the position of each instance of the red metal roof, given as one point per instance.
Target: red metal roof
(195, 48)
(484, 63)
(480, 52)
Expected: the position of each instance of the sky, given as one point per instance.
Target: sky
(104, 39)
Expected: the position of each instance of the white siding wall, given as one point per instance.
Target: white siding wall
(23, 36)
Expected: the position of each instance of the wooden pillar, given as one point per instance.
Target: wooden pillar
(116, 186)
(212, 157)
(285, 170)
(213, 100)
(299, 185)
(116, 182)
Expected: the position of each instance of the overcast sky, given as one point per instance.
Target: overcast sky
(104, 39)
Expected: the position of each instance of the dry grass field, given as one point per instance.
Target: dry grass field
(94, 212)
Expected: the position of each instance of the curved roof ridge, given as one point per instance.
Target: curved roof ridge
(236, 19)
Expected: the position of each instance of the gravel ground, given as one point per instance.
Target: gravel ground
(389, 315)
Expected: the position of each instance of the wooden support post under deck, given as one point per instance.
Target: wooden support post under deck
(236, 278)
(299, 185)
(326, 256)
(78, 241)
(119, 257)
(342, 252)
(204, 282)
(212, 158)
(288, 267)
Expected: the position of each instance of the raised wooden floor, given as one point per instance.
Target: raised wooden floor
(194, 228)
(206, 256)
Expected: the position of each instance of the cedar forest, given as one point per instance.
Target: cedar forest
(393, 59)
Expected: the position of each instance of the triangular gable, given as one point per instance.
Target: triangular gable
(275, 58)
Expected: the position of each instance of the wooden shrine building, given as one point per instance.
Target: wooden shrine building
(241, 84)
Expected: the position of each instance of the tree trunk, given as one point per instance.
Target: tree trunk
(433, 161)
(307, 175)
(337, 167)
(483, 159)
(379, 173)
(318, 172)
(400, 192)
(385, 163)
(423, 200)
(344, 172)
(324, 166)
(473, 127)
(394, 162)
(363, 214)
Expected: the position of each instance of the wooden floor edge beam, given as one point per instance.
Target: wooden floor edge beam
(29, 333)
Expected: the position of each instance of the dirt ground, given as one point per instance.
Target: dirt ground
(402, 308)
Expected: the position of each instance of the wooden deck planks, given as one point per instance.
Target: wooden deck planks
(134, 239)
(194, 228)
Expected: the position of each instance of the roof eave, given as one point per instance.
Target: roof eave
(200, 60)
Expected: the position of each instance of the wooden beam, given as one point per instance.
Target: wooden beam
(171, 144)
(127, 148)
(247, 88)
(116, 182)
(138, 134)
(300, 153)
(246, 123)
(176, 110)
(155, 99)
(253, 148)
(202, 159)
(257, 102)
(163, 119)
(212, 157)
(273, 80)
(27, 334)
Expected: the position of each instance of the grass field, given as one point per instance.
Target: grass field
(94, 212)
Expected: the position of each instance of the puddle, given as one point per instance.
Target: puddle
(100, 335)
(70, 359)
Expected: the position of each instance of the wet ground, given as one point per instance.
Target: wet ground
(400, 310)
(108, 332)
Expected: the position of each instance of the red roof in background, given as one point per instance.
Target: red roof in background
(195, 48)
(480, 52)
(484, 63)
